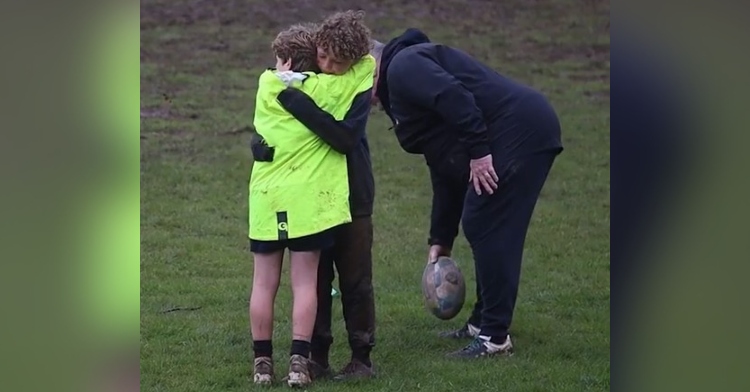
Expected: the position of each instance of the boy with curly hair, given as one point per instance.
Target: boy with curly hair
(342, 40)
(298, 193)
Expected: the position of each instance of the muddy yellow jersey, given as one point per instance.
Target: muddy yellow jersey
(305, 189)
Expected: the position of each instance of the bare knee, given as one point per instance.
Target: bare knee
(304, 269)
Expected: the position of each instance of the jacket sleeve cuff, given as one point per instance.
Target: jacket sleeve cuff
(479, 150)
(442, 242)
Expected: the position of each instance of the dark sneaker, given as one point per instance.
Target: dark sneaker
(263, 371)
(355, 370)
(482, 347)
(299, 372)
(317, 371)
(468, 331)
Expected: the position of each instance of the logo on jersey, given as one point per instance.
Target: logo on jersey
(282, 225)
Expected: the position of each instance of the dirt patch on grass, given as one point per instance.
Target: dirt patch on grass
(155, 113)
(162, 143)
(253, 14)
(166, 110)
(161, 112)
(196, 47)
(488, 28)
(596, 54)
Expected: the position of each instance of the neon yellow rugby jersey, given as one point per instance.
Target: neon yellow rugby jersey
(305, 189)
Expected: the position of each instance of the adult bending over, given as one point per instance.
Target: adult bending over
(489, 142)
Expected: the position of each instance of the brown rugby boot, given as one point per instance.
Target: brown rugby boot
(299, 372)
(263, 371)
(356, 370)
(317, 371)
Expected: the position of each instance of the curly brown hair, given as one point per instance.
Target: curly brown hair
(344, 35)
(297, 43)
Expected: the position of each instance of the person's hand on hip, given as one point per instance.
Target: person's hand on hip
(483, 175)
(437, 251)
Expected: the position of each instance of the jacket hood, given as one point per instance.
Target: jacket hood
(410, 37)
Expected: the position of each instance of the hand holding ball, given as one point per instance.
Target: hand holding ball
(444, 288)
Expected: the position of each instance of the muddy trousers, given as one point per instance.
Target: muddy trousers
(352, 256)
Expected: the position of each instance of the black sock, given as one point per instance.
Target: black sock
(498, 339)
(300, 347)
(262, 348)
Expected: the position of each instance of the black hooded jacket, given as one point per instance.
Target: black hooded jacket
(451, 108)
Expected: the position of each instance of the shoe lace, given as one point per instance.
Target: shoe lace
(298, 360)
(263, 365)
(475, 344)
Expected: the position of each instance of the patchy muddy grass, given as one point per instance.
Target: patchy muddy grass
(200, 60)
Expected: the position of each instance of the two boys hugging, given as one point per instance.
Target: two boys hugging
(299, 186)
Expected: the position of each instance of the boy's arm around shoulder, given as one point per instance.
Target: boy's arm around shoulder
(343, 136)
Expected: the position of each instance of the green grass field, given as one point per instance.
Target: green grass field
(199, 65)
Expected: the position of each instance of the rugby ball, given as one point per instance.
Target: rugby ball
(444, 288)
